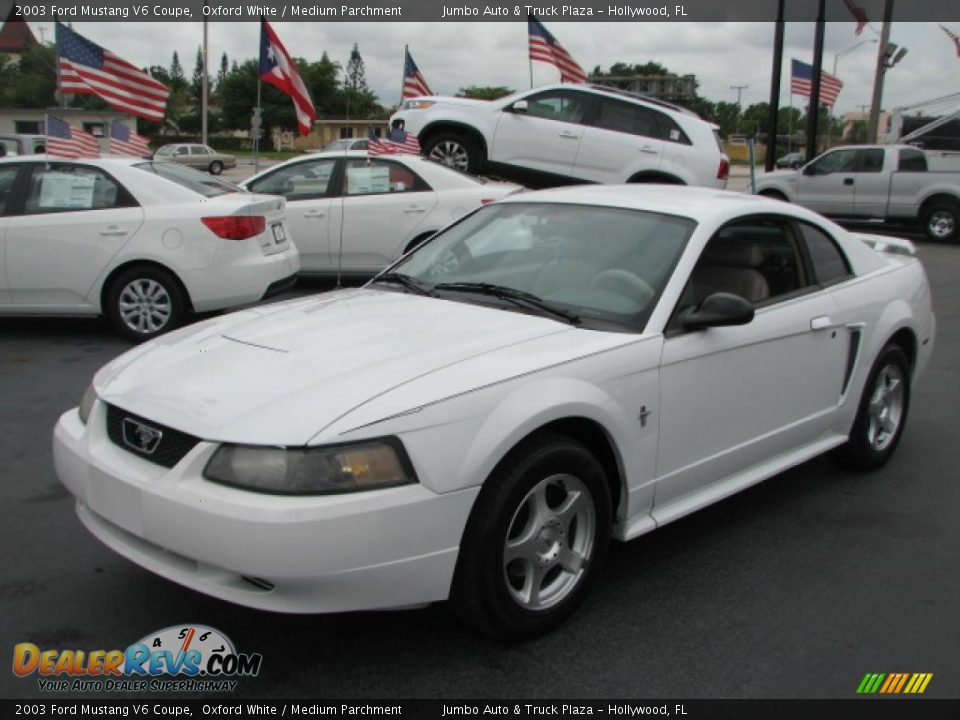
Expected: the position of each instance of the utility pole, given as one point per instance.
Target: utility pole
(203, 84)
(813, 112)
(774, 116)
(739, 89)
(873, 125)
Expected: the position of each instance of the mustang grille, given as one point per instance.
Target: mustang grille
(173, 445)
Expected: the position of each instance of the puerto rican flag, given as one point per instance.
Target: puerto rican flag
(278, 69)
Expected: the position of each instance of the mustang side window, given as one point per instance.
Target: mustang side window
(829, 264)
(755, 259)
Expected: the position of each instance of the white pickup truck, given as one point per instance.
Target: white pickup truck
(876, 183)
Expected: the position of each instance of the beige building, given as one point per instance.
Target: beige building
(30, 121)
(326, 130)
(672, 88)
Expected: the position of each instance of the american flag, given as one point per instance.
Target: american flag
(278, 69)
(88, 69)
(64, 140)
(397, 142)
(954, 37)
(123, 141)
(859, 14)
(413, 83)
(545, 48)
(801, 83)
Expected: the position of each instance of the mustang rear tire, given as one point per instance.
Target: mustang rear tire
(535, 539)
(143, 302)
(881, 415)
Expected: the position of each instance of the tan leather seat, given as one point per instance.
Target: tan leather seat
(731, 268)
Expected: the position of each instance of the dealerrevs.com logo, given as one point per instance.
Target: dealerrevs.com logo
(181, 658)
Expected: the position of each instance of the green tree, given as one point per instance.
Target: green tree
(196, 82)
(224, 69)
(355, 75)
(484, 92)
(177, 78)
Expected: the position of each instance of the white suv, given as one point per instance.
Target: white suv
(563, 133)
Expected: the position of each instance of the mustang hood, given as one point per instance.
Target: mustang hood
(279, 374)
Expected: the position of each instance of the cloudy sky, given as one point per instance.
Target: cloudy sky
(453, 55)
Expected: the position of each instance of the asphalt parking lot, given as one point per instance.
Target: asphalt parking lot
(795, 588)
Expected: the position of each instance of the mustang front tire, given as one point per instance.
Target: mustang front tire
(882, 413)
(535, 539)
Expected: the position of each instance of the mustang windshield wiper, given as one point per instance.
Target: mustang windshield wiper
(517, 297)
(408, 281)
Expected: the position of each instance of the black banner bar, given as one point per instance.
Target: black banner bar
(873, 708)
(459, 10)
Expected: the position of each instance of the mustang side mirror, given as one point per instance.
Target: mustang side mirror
(520, 106)
(717, 310)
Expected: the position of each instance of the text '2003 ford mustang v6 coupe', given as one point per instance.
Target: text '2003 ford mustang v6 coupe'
(477, 422)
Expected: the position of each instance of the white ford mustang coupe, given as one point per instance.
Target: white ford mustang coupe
(554, 370)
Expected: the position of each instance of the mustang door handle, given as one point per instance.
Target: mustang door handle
(110, 230)
(567, 135)
(821, 323)
(414, 209)
(314, 213)
(649, 150)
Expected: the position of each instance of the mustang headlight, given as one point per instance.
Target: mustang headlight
(365, 465)
(86, 404)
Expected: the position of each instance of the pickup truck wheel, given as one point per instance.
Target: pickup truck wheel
(940, 221)
(456, 150)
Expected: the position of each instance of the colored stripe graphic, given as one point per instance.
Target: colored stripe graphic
(894, 683)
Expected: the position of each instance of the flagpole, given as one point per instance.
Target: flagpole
(258, 130)
(203, 83)
(403, 79)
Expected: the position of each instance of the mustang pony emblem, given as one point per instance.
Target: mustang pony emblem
(140, 437)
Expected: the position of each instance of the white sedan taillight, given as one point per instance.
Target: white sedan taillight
(236, 227)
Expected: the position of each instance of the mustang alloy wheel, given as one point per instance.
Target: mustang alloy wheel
(881, 414)
(550, 542)
(536, 536)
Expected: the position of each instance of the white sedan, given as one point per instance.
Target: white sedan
(140, 242)
(353, 214)
(553, 371)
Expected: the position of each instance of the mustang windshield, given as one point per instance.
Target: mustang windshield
(599, 265)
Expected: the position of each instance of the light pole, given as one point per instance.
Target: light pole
(836, 59)
(739, 89)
